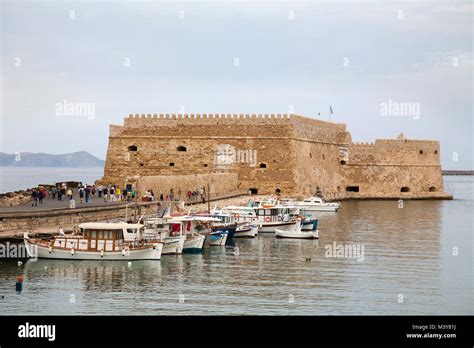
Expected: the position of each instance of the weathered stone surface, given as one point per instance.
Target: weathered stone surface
(293, 153)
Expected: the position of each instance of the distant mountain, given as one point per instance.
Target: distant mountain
(30, 159)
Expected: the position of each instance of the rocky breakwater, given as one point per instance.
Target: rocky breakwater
(12, 199)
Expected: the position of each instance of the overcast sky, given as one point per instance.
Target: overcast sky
(217, 57)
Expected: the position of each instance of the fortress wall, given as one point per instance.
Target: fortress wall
(392, 151)
(219, 184)
(317, 130)
(317, 167)
(387, 181)
(154, 155)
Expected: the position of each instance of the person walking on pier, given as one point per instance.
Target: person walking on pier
(54, 190)
(201, 192)
(106, 194)
(69, 193)
(87, 193)
(34, 195)
(41, 195)
(81, 194)
(112, 193)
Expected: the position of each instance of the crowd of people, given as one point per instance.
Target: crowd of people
(109, 193)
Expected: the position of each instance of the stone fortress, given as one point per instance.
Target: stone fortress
(265, 154)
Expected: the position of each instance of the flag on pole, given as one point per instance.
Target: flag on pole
(330, 109)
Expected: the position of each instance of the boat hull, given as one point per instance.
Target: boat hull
(145, 253)
(247, 232)
(194, 244)
(297, 234)
(173, 245)
(320, 208)
(272, 227)
(217, 239)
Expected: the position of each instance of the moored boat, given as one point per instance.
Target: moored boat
(95, 241)
(297, 233)
(169, 232)
(192, 226)
(268, 215)
(247, 230)
(315, 203)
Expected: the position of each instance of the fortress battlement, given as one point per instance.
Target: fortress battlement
(164, 119)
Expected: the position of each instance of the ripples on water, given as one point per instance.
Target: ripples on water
(407, 251)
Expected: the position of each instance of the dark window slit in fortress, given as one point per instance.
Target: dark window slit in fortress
(421, 152)
(132, 148)
(405, 189)
(263, 165)
(436, 152)
(171, 164)
(432, 189)
(352, 188)
(205, 164)
(343, 162)
(181, 148)
(253, 191)
(141, 164)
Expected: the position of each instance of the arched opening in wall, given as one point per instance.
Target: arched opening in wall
(278, 191)
(405, 189)
(132, 148)
(432, 189)
(421, 152)
(262, 165)
(205, 164)
(343, 162)
(171, 164)
(436, 152)
(253, 191)
(352, 189)
(181, 148)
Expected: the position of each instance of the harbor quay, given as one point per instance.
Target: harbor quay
(46, 219)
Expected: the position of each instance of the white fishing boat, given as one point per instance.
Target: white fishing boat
(95, 241)
(297, 232)
(169, 232)
(192, 226)
(246, 230)
(217, 238)
(315, 203)
(268, 215)
(220, 227)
